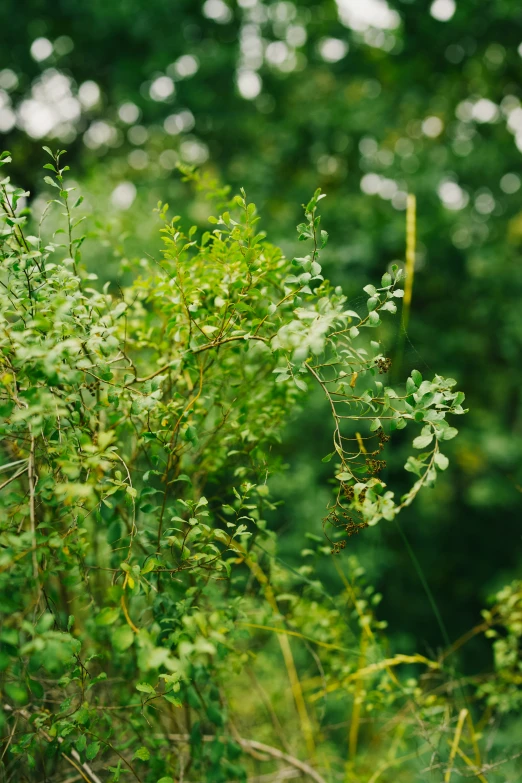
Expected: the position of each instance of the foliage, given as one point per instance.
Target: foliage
(139, 578)
(504, 623)
(369, 112)
(416, 105)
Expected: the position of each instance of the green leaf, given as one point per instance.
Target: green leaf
(36, 688)
(413, 465)
(122, 638)
(108, 615)
(421, 441)
(441, 461)
(215, 715)
(114, 532)
(142, 753)
(410, 386)
(172, 699)
(16, 692)
(417, 377)
(449, 433)
(92, 750)
(149, 566)
(144, 687)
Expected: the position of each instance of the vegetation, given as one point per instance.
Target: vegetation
(239, 538)
(140, 582)
(369, 105)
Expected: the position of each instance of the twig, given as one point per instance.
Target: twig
(81, 767)
(32, 513)
(253, 745)
(16, 475)
(201, 349)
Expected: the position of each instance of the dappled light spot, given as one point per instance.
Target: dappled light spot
(510, 183)
(432, 127)
(89, 94)
(51, 108)
(162, 88)
(332, 49)
(168, 159)
(443, 10)
(41, 49)
(485, 110)
(137, 135)
(484, 202)
(185, 66)
(138, 159)
(452, 195)
(8, 79)
(249, 84)
(193, 151)
(129, 113)
(100, 133)
(218, 11)
(361, 16)
(180, 122)
(7, 119)
(123, 195)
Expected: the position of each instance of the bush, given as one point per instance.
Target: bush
(141, 426)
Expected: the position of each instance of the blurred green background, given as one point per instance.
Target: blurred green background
(370, 100)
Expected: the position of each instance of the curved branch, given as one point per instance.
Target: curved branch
(251, 746)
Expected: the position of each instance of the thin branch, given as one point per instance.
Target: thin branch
(32, 513)
(81, 767)
(253, 745)
(16, 475)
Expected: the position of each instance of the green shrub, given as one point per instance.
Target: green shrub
(140, 427)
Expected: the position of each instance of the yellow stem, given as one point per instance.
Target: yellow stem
(298, 635)
(386, 664)
(125, 610)
(454, 747)
(357, 705)
(470, 764)
(397, 762)
(295, 684)
(360, 443)
(411, 230)
(473, 736)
